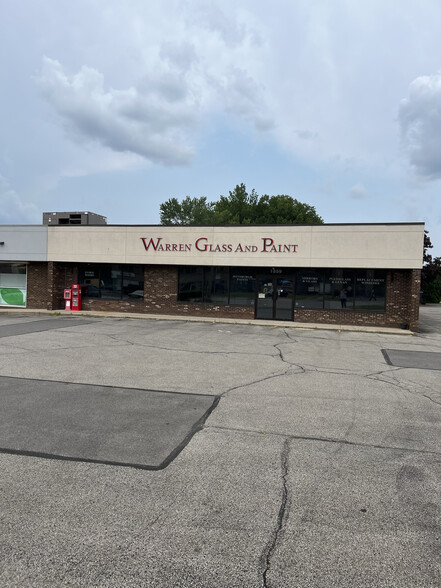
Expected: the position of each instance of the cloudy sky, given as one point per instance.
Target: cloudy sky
(114, 107)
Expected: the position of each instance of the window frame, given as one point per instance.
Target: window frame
(122, 268)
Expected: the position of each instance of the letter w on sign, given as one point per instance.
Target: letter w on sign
(151, 243)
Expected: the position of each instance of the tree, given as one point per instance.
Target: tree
(238, 208)
(431, 273)
(191, 211)
(285, 210)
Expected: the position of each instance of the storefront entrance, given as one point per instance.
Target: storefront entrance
(275, 298)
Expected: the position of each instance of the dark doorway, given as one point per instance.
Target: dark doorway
(275, 298)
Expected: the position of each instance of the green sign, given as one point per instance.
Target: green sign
(12, 297)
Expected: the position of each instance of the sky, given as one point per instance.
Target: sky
(115, 107)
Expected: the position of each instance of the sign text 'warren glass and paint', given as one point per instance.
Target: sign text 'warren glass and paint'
(203, 245)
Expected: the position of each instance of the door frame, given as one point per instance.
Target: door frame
(274, 277)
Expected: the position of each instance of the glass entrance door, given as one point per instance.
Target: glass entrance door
(274, 298)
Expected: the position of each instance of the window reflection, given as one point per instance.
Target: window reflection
(133, 281)
(111, 281)
(370, 290)
(216, 285)
(242, 286)
(191, 280)
(339, 289)
(309, 289)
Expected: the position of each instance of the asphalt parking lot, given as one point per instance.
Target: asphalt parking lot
(175, 454)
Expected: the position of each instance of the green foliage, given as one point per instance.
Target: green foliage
(238, 208)
(431, 274)
(432, 292)
(283, 209)
(191, 211)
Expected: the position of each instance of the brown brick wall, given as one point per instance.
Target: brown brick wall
(101, 305)
(403, 298)
(37, 285)
(60, 276)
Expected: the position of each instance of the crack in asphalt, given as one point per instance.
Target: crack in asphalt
(282, 518)
(431, 399)
(255, 382)
(331, 440)
(201, 352)
(393, 381)
(388, 370)
(385, 376)
(123, 341)
(308, 368)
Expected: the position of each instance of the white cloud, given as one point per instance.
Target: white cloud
(99, 161)
(358, 192)
(306, 135)
(153, 83)
(231, 31)
(153, 124)
(420, 122)
(158, 116)
(12, 209)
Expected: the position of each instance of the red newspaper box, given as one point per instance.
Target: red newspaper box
(76, 297)
(68, 299)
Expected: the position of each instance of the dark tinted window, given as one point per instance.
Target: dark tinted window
(242, 287)
(309, 289)
(216, 285)
(133, 281)
(191, 279)
(111, 281)
(339, 289)
(370, 290)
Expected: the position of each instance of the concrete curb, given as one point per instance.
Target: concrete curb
(213, 320)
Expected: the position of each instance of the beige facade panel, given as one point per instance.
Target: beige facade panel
(23, 243)
(375, 245)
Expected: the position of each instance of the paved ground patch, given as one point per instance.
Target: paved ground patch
(319, 467)
(430, 318)
(425, 360)
(141, 428)
(23, 328)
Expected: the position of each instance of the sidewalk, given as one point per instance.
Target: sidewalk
(213, 320)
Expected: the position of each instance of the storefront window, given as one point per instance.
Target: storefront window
(370, 290)
(133, 281)
(191, 279)
(111, 281)
(216, 285)
(242, 287)
(320, 289)
(309, 289)
(13, 284)
(339, 289)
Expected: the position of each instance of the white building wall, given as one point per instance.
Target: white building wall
(397, 245)
(23, 243)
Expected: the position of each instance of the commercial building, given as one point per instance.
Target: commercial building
(360, 274)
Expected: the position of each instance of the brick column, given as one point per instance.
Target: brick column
(59, 277)
(37, 291)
